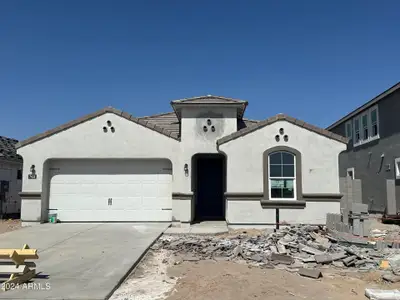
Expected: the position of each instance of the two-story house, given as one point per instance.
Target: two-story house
(373, 152)
(203, 161)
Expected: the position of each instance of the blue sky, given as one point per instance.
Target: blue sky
(314, 60)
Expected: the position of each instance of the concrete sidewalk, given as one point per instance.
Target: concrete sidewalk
(82, 261)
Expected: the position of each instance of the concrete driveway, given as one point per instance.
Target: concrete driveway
(82, 261)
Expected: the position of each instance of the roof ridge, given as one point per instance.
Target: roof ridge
(280, 117)
(208, 97)
(156, 115)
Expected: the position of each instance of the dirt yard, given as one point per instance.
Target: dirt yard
(162, 276)
(9, 225)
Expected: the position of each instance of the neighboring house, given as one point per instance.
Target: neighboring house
(373, 154)
(203, 161)
(10, 177)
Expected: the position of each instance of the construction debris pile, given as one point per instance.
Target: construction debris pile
(296, 248)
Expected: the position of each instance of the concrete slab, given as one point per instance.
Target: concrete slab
(209, 227)
(82, 261)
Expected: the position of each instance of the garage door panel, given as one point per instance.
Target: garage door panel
(134, 203)
(115, 216)
(140, 190)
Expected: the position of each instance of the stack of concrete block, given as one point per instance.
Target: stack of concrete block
(334, 222)
(352, 193)
(359, 219)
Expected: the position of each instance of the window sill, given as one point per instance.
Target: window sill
(363, 142)
(288, 204)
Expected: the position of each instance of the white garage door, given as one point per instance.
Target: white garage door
(111, 190)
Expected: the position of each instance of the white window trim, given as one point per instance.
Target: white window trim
(370, 138)
(294, 179)
(353, 172)
(397, 168)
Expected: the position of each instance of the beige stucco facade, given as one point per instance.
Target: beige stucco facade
(245, 169)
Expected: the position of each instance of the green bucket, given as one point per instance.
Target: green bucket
(53, 218)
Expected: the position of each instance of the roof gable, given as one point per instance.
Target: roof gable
(209, 100)
(281, 117)
(142, 122)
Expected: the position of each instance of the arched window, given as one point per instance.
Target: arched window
(282, 175)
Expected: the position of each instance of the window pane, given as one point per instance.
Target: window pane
(275, 171)
(365, 121)
(374, 130)
(374, 116)
(275, 158)
(277, 183)
(356, 125)
(288, 193)
(288, 159)
(288, 171)
(276, 193)
(365, 133)
(348, 130)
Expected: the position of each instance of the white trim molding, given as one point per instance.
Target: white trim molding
(365, 126)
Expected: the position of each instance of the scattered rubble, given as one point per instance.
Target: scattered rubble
(295, 248)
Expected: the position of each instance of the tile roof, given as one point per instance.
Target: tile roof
(8, 151)
(281, 117)
(210, 99)
(143, 122)
(169, 121)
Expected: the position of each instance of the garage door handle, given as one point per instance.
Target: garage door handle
(109, 201)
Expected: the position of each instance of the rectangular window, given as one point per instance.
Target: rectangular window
(19, 174)
(350, 173)
(397, 167)
(374, 122)
(349, 130)
(364, 120)
(282, 178)
(356, 130)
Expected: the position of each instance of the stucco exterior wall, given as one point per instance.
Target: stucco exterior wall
(194, 140)
(245, 212)
(87, 140)
(244, 156)
(245, 169)
(373, 162)
(9, 172)
(319, 159)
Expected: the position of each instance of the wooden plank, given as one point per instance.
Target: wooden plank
(18, 260)
(13, 269)
(15, 280)
(30, 264)
(26, 252)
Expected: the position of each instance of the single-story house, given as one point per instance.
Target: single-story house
(10, 178)
(203, 161)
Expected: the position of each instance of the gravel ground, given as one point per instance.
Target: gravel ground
(9, 225)
(163, 276)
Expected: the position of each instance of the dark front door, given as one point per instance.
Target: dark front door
(209, 187)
